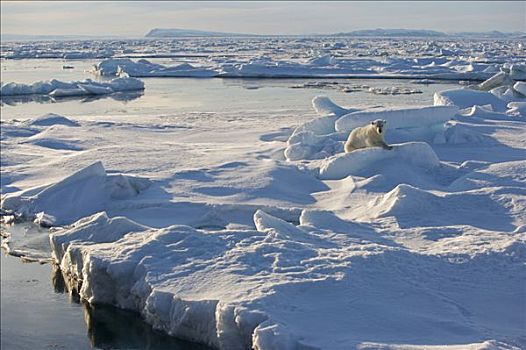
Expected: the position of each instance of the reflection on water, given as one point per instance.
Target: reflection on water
(40, 307)
(118, 96)
(112, 328)
(169, 96)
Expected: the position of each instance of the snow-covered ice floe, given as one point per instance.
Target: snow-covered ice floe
(322, 66)
(145, 68)
(296, 245)
(276, 286)
(56, 88)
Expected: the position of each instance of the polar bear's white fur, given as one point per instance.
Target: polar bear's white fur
(371, 135)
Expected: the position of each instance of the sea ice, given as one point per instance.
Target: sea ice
(56, 88)
(145, 68)
(81, 194)
(224, 241)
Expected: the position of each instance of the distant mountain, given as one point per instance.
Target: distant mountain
(492, 34)
(393, 33)
(175, 33)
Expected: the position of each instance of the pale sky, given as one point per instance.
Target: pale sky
(135, 19)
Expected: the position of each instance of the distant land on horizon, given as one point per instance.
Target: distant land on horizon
(191, 33)
(379, 32)
(177, 32)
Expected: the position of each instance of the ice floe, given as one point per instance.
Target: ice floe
(145, 68)
(57, 89)
(233, 289)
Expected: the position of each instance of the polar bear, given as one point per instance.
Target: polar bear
(367, 136)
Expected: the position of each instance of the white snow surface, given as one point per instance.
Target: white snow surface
(219, 235)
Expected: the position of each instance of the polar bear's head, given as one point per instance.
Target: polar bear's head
(379, 124)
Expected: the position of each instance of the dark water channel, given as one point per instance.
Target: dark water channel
(38, 312)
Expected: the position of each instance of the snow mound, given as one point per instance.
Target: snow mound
(81, 194)
(363, 161)
(306, 144)
(398, 118)
(52, 119)
(56, 88)
(456, 133)
(414, 207)
(464, 98)
(510, 174)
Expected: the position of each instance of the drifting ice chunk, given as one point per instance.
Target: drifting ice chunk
(14, 89)
(398, 118)
(56, 88)
(126, 84)
(419, 154)
(111, 66)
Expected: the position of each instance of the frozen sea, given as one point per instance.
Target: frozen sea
(30, 289)
(223, 210)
